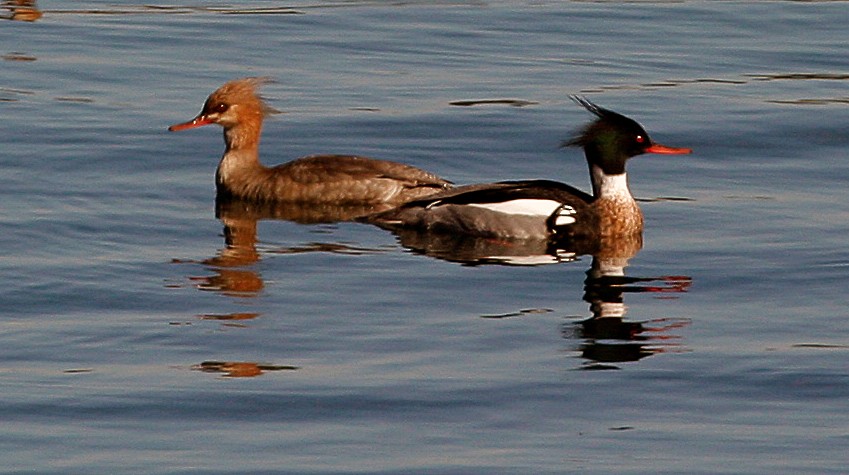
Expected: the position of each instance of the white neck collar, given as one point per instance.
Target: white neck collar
(612, 187)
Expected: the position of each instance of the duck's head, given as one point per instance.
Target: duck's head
(612, 139)
(236, 102)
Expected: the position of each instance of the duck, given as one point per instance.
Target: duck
(318, 179)
(546, 209)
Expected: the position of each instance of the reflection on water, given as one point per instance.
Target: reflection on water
(231, 275)
(230, 316)
(609, 338)
(234, 274)
(303, 213)
(231, 320)
(470, 250)
(21, 10)
(240, 369)
(606, 336)
(232, 282)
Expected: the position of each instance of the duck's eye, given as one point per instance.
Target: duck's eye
(640, 139)
(221, 108)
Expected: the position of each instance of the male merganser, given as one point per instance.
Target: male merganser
(338, 179)
(543, 209)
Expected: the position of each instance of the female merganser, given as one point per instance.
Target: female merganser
(337, 179)
(543, 209)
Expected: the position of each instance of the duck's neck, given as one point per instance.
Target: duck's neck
(617, 210)
(241, 156)
(612, 187)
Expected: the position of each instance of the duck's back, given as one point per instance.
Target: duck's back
(343, 179)
(535, 209)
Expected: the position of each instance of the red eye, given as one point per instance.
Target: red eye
(640, 139)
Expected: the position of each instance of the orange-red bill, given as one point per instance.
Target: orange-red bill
(663, 149)
(196, 122)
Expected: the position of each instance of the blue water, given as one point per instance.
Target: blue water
(134, 339)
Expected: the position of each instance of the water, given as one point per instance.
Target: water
(134, 340)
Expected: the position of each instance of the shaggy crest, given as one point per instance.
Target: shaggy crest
(240, 91)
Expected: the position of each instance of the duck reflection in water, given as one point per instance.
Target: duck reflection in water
(234, 275)
(607, 337)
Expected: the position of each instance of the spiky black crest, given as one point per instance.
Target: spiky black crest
(595, 109)
(607, 120)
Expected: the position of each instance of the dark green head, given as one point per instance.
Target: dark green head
(612, 139)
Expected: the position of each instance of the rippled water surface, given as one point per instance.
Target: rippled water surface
(142, 331)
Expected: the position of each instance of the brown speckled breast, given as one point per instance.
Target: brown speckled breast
(618, 217)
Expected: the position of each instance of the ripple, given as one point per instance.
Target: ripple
(520, 313)
(230, 316)
(666, 83)
(799, 76)
(328, 247)
(488, 102)
(9, 94)
(177, 10)
(820, 346)
(811, 101)
(80, 100)
(16, 56)
(664, 198)
(741, 80)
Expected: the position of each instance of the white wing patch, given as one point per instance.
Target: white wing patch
(524, 207)
(564, 215)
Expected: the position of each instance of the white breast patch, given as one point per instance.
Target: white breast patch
(525, 207)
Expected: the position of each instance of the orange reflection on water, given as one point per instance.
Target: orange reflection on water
(233, 265)
(240, 369)
(231, 282)
(21, 10)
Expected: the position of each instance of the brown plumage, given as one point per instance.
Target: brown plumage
(340, 179)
